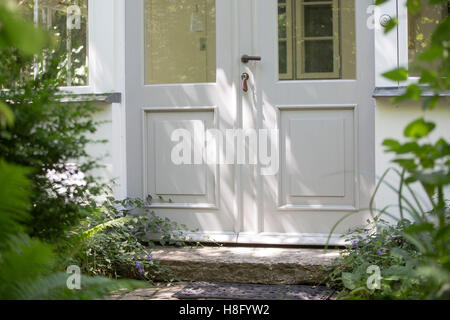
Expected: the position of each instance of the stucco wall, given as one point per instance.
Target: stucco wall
(390, 121)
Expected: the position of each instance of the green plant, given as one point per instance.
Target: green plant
(28, 267)
(116, 241)
(386, 249)
(415, 262)
(48, 136)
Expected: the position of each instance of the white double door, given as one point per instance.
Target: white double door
(307, 116)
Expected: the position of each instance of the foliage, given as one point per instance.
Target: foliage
(47, 136)
(387, 249)
(117, 240)
(415, 256)
(29, 268)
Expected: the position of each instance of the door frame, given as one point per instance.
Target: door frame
(242, 15)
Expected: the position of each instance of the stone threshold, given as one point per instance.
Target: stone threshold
(258, 265)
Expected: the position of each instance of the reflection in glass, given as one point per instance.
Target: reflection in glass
(180, 41)
(68, 21)
(316, 39)
(420, 28)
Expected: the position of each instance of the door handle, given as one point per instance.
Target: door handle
(244, 78)
(246, 58)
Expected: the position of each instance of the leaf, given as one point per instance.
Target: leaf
(391, 24)
(14, 202)
(400, 74)
(350, 280)
(413, 6)
(419, 129)
(432, 53)
(420, 227)
(21, 34)
(6, 115)
(408, 164)
(430, 102)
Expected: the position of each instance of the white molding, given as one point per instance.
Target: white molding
(173, 205)
(269, 238)
(317, 208)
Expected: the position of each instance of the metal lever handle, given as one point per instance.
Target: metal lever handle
(246, 58)
(244, 78)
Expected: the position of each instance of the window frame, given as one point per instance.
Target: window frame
(300, 43)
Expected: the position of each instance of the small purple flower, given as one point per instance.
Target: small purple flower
(366, 230)
(388, 238)
(139, 266)
(378, 236)
(158, 227)
(354, 244)
(127, 202)
(147, 207)
(150, 257)
(379, 251)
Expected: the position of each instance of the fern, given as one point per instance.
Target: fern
(28, 267)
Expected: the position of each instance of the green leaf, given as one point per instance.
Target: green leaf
(350, 280)
(14, 202)
(432, 53)
(419, 129)
(21, 34)
(391, 24)
(408, 164)
(413, 6)
(430, 102)
(6, 115)
(400, 74)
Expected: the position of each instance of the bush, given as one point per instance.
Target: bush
(29, 267)
(116, 241)
(47, 136)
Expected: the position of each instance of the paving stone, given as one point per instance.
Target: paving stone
(241, 291)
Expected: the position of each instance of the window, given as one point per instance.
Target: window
(316, 39)
(180, 41)
(68, 21)
(420, 28)
(401, 48)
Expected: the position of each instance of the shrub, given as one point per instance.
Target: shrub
(117, 240)
(47, 136)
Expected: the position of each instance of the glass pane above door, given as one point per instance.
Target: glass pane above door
(180, 41)
(316, 39)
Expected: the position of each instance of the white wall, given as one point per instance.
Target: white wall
(390, 121)
(103, 150)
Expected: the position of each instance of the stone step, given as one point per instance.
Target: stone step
(259, 265)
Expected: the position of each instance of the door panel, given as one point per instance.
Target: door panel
(184, 182)
(317, 159)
